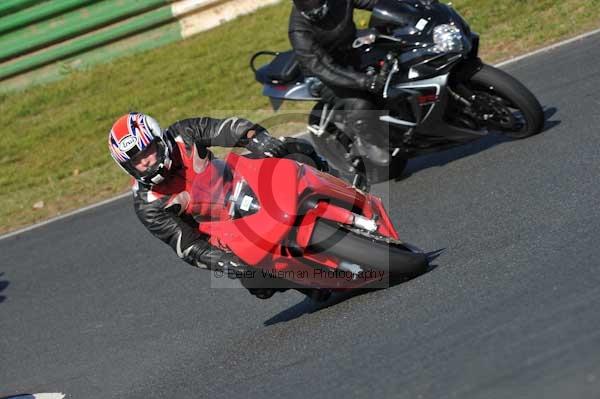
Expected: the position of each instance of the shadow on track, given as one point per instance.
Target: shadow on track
(444, 157)
(307, 306)
(3, 285)
(548, 113)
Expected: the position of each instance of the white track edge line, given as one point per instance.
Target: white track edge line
(548, 48)
(121, 196)
(65, 215)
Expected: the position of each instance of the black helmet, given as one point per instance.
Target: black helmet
(313, 10)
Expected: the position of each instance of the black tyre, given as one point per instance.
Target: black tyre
(516, 112)
(334, 145)
(368, 251)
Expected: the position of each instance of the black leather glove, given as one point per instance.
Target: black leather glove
(265, 145)
(375, 83)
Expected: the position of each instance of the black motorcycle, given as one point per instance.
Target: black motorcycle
(438, 92)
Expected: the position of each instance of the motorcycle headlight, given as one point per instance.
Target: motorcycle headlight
(447, 39)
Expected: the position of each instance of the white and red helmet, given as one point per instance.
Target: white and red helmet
(133, 133)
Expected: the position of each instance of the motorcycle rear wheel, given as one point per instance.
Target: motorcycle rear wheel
(371, 252)
(335, 145)
(518, 112)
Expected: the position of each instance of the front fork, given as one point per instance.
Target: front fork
(457, 88)
(326, 117)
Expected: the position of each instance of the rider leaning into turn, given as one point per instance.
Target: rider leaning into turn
(163, 162)
(322, 33)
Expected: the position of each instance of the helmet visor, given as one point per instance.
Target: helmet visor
(146, 159)
(147, 164)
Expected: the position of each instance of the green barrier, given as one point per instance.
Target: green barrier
(10, 6)
(39, 12)
(72, 24)
(163, 35)
(78, 45)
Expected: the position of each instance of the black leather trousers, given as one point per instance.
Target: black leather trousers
(361, 113)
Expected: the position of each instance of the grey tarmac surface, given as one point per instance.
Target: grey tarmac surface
(94, 307)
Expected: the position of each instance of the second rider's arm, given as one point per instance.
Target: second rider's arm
(313, 58)
(318, 62)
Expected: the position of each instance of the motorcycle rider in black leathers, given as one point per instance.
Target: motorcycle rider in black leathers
(321, 33)
(162, 162)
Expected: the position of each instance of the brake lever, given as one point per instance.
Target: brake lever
(395, 70)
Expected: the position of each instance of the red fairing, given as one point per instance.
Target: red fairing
(317, 185)
(208, 192)
(254, 237)
(289, 198)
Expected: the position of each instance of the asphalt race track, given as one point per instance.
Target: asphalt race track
(94, 307)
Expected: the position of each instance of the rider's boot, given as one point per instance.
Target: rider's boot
(374, 153)
(369, 137)
(265, 293)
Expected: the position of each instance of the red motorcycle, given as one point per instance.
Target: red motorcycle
(300, 226)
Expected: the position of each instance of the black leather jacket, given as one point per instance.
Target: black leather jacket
(324, 49)
(159, 207)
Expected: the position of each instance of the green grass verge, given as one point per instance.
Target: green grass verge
(53, 144)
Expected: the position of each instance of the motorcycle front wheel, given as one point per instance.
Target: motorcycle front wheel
(368, 250)
(504, 104)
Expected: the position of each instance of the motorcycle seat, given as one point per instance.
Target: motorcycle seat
(284, 68)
